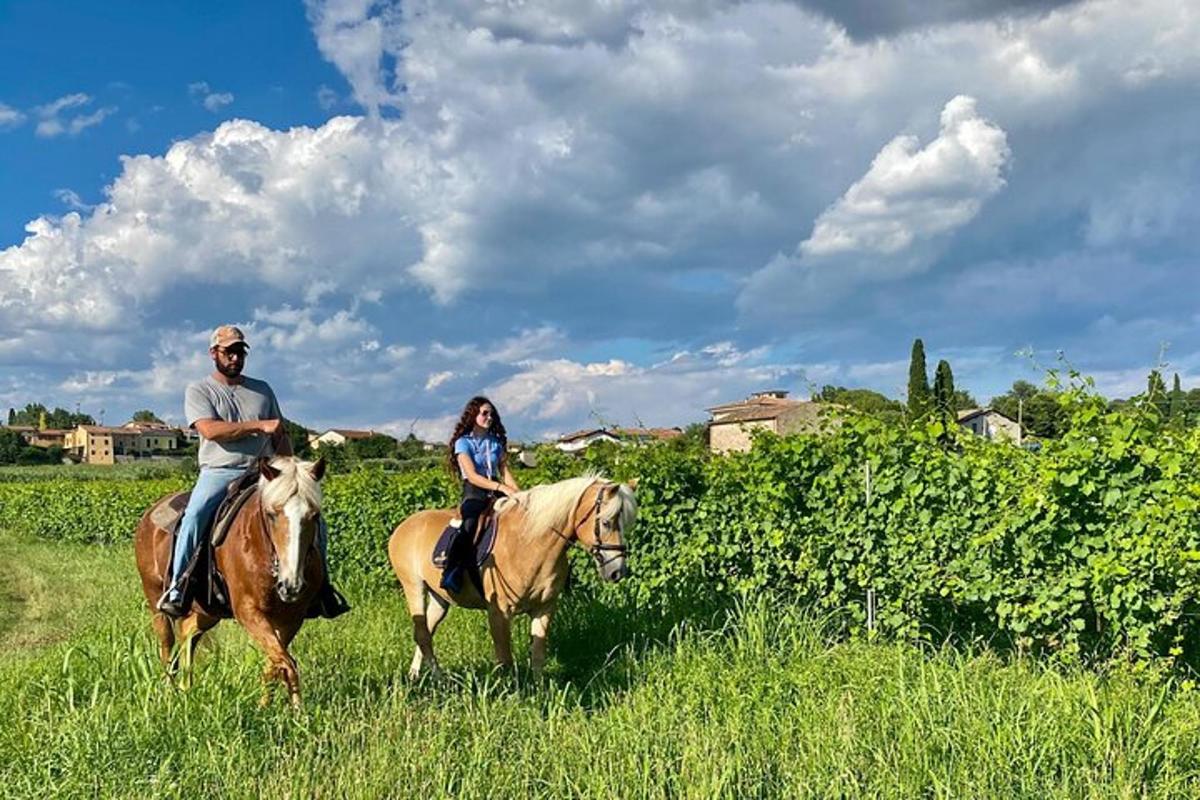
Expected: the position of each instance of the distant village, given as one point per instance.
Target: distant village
(729, 428)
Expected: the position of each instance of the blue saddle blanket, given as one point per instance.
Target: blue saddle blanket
(482, 545)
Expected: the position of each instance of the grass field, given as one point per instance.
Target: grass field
(749, 704)
(133, 471)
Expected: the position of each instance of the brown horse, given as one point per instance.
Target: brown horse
(527, 568)
(271, 567)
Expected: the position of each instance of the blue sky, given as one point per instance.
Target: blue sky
(613, 213)
(141, 59)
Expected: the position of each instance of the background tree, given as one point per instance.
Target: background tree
(11, 445)
(1177, 412)
(918, 382)
(146, 415)
(298, 435)
(12, 417)
(338, 458)
(34, 414)
(963, 400)
(411, 448)
(943, 390)
(864, 400)
(695, 437)
(376, 446)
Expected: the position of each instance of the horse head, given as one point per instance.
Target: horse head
(290, 493)
(602, 529)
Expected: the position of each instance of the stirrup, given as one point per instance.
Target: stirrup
(172, 608)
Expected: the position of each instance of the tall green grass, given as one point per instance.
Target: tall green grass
(756, 701)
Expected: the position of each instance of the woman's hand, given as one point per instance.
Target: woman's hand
(506, 490)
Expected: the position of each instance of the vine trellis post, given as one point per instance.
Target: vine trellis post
(871, 578)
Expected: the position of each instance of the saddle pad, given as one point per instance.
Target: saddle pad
(167, 515)
(228, 512)
(483, 548)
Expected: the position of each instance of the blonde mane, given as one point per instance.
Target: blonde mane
(294, 480)
(548, 507)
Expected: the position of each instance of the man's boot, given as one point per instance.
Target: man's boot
(328, 603)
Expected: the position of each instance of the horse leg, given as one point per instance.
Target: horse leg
(280, 664)
(539, 628)
(166, 639)
(191, 628)
(500, 627)
(426, 610)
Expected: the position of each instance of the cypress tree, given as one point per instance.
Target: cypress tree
(12, 417)
(1177, 413)
(943, 389)
(918, 382)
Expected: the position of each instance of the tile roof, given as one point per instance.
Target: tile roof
(570, 437)
(352, 434)
(970, 413)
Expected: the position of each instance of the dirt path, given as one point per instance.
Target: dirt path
(12, 602)
(48, 590)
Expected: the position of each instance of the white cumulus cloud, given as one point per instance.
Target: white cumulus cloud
(52, 121)
(887, 222)
(10, 117)
(212, 100)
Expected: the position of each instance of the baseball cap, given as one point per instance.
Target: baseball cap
(227, 335)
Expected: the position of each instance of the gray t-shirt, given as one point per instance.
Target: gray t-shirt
(244, 402)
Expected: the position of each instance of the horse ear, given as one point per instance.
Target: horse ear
(632, 483)
(318, 469)
(266, 470)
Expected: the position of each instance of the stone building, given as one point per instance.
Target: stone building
(990, 424)
(733, 423)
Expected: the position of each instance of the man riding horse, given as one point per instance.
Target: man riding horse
(239, 422)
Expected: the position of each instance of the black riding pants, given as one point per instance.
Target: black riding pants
(469, 511)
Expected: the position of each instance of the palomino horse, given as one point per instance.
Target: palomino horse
(527, 568)
(271, 567)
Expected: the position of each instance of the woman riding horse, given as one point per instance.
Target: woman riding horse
(526, 571)
(478, 453)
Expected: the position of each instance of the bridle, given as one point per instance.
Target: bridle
(599, 548)
(266, 530)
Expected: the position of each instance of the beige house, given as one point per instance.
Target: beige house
(154, 437)
(46, 438)
(39, 437)
(990, 424)
(732, 423)
(338, 436)
(96, 444)
(581, 440)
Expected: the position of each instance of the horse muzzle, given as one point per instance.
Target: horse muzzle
(289, 592)
(614, 572)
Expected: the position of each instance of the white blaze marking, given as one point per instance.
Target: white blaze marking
(294, 511)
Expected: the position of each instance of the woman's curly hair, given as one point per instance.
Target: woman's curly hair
(466, 424)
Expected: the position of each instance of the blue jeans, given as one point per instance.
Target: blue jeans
(197, 517)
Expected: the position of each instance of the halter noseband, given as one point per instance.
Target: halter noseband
(599, 547)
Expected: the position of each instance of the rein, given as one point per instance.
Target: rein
(266, 532)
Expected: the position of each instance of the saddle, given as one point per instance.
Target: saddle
(482, 545)
(201, 581)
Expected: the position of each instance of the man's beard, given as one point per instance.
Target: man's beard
(228, 370)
